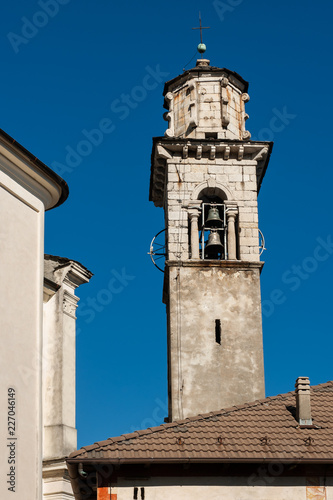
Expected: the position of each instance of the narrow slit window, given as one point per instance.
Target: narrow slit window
(218, 331)
(135, 494)
(142, 494)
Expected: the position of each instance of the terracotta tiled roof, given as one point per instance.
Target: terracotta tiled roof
(263, 430)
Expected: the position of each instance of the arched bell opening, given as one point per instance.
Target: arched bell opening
(212, 225)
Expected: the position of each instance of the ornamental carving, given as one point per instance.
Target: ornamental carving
(70, 304)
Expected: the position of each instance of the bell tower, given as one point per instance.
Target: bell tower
(206, 174)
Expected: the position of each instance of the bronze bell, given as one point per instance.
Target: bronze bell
(213, 219)
(214, 246)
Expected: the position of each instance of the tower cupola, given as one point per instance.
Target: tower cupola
(206, 103)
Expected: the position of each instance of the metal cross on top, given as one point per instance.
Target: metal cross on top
(201, 28)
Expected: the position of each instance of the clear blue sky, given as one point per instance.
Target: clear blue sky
(66, 77)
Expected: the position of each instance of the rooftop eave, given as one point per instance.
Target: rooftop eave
(79, 483)
(22, 166)
(170, 460)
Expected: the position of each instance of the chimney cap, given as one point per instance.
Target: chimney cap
(304, 380)
(303, 401)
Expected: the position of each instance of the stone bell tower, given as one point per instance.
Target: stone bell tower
(206, 174)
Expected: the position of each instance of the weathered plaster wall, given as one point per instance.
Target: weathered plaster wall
(58, 380)
(203, 374)
(21, 278)
(212, 488)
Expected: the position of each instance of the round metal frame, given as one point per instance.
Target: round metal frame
(157, 250)
(261, 242)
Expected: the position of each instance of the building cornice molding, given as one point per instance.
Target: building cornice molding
(240, 265)
(77, 275)
(67, 275)
(32, 174)
(49, 289)
(197, 150)
(204, 71)
(67, 271)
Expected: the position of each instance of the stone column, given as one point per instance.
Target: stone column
(194, 216)
(231, 219)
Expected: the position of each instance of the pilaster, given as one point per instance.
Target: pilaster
(62, 277)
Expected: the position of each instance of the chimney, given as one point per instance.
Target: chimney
(303, 405)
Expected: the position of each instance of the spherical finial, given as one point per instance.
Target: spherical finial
(201, 48)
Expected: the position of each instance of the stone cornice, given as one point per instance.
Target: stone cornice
(222, 148)
(241, 265)
(77, 275)
(55, 468)
(66, 274)
(165, 149)
(67, 271)
(234, 77)
(49, 289)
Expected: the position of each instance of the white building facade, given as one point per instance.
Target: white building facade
(38, 341)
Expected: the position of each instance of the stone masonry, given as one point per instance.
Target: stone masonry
(235, 176)
(215, 354)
